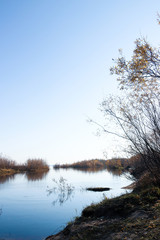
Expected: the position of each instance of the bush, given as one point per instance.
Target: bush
(36, 165)
(6, 163)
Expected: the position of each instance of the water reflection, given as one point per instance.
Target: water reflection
(62, 190)
(35, 176)
(6, 178)
(30, 205)
(87, 170)
(115, 172)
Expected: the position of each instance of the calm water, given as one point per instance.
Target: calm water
(33, 207)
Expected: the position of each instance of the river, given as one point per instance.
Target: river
(34, 206)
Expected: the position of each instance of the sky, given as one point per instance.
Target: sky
(55, 57)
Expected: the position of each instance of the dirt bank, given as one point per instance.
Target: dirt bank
(132, 216)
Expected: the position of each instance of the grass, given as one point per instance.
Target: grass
(7, 172)
(124, 205)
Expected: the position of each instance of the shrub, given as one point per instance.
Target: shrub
(6, 163)
(36, 165)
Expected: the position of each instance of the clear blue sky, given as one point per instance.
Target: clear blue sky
(54, 71)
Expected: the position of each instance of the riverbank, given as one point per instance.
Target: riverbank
(131, 216)
(9, 167)
(7, 172)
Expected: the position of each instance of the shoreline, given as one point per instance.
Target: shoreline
(10, 171)
(130, 216)
(7, 172)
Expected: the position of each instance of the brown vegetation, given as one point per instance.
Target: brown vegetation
(9, 167)
(86, 164)
(115, 165)
(36, 165)
(7, 172)
(6, 163)
(118, 163)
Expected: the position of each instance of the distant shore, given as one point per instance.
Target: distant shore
(97, 164)
(9, 167)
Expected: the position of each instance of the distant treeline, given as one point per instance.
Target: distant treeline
(115, 163)
(86, 164)
(121, 163)
(8, 166)
(111, 164)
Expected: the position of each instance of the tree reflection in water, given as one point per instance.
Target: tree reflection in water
(80, 169)
(115, 171)
(6, 178)
(35, 176)
(62, 190)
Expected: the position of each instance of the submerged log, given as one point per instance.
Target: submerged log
(98, 189)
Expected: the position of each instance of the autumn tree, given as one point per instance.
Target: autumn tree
(141, 74)
(137, 113)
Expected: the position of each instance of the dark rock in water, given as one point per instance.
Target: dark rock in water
(98, 189)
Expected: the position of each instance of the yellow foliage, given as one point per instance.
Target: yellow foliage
(141, 73)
